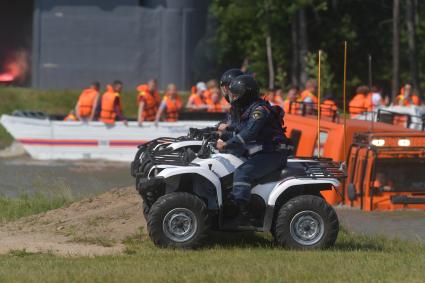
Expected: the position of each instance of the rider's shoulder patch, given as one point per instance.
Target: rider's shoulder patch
(257, 114)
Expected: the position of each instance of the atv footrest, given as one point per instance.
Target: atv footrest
(407, 200)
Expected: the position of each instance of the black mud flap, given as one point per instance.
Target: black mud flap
(151, 189)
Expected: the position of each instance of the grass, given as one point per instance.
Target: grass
(51, 102)
(25, 204)
(230, 258)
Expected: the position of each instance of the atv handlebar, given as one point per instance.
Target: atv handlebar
(199, 134)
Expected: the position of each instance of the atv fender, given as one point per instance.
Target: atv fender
(202, 178)
(291, 188)
(316, 185)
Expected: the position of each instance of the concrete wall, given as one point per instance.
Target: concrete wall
(78, 41)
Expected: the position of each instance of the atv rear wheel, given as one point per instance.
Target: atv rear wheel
(178, 220)
(306, 222)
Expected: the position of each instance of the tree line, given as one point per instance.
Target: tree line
(278, 41)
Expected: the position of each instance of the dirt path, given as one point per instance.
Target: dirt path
(404, 224)
(93, 226)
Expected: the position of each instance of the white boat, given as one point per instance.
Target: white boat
(46, 139)
(414, 115)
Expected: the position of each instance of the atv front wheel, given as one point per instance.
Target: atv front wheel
(178, 220)
(146, 209)
(306, 222)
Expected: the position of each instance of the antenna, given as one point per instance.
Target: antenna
(318, 104)
(370, 90)
(344, 93)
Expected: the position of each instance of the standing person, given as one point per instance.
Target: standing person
(87, 103)
(290, 104)
(197, 101)
(211, 85)
(308, 95)
(269, 96)
(328, 106)
(217, 103)
(171, 104)
(148, 105)
(407, 96)
(357, 104)
(278, 97)
(111, 107)
(374, 99)
(259, 137)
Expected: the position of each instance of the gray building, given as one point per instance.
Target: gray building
(73, 42)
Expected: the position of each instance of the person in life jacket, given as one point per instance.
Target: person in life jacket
(211, 85)
(71, 116)
(407, 96)
(226, 126)
(374, 99)
(217, 103)
(259, 136)
(148, 101)
(308, 96)
(357, 104)
(197, 101)
(290, 104)
(328, 107)
(88, 102)
(278, 97)
(111, 107)
(171, 105)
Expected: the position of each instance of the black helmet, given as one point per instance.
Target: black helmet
(229, 75)
(243, 89)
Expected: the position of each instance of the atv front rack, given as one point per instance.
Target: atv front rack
(155, 152)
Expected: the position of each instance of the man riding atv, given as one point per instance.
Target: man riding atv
(258, 136)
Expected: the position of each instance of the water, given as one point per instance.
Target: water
(24, 175)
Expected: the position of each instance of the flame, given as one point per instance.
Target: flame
(15, 67)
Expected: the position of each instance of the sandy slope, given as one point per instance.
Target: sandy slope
(92, 226)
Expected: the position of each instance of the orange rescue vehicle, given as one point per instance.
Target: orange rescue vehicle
(302, 129)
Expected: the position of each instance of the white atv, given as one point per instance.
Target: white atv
(184, 195)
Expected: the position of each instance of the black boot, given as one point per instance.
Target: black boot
(243, 219)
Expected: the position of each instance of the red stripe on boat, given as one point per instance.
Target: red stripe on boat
(51, 142)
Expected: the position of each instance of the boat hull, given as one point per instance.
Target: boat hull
(45, 139)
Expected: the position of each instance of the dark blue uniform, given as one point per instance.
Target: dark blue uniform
(259, 136)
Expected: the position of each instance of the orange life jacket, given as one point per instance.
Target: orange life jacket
(173, 107)
(196, 99)
(71, 117)
(86, 101)
(357, 105)
(107, 114)
(414, 100)
(207, 95)
(151, 107)
(368, 104)
(220, 106)
(328, 108)
(155, 93)
(306, 93)
(295, 107)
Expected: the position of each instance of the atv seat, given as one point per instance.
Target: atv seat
(291, 169)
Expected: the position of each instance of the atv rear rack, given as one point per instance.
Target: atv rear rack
(324, 168)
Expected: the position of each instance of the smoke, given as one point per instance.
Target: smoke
(15, 67)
